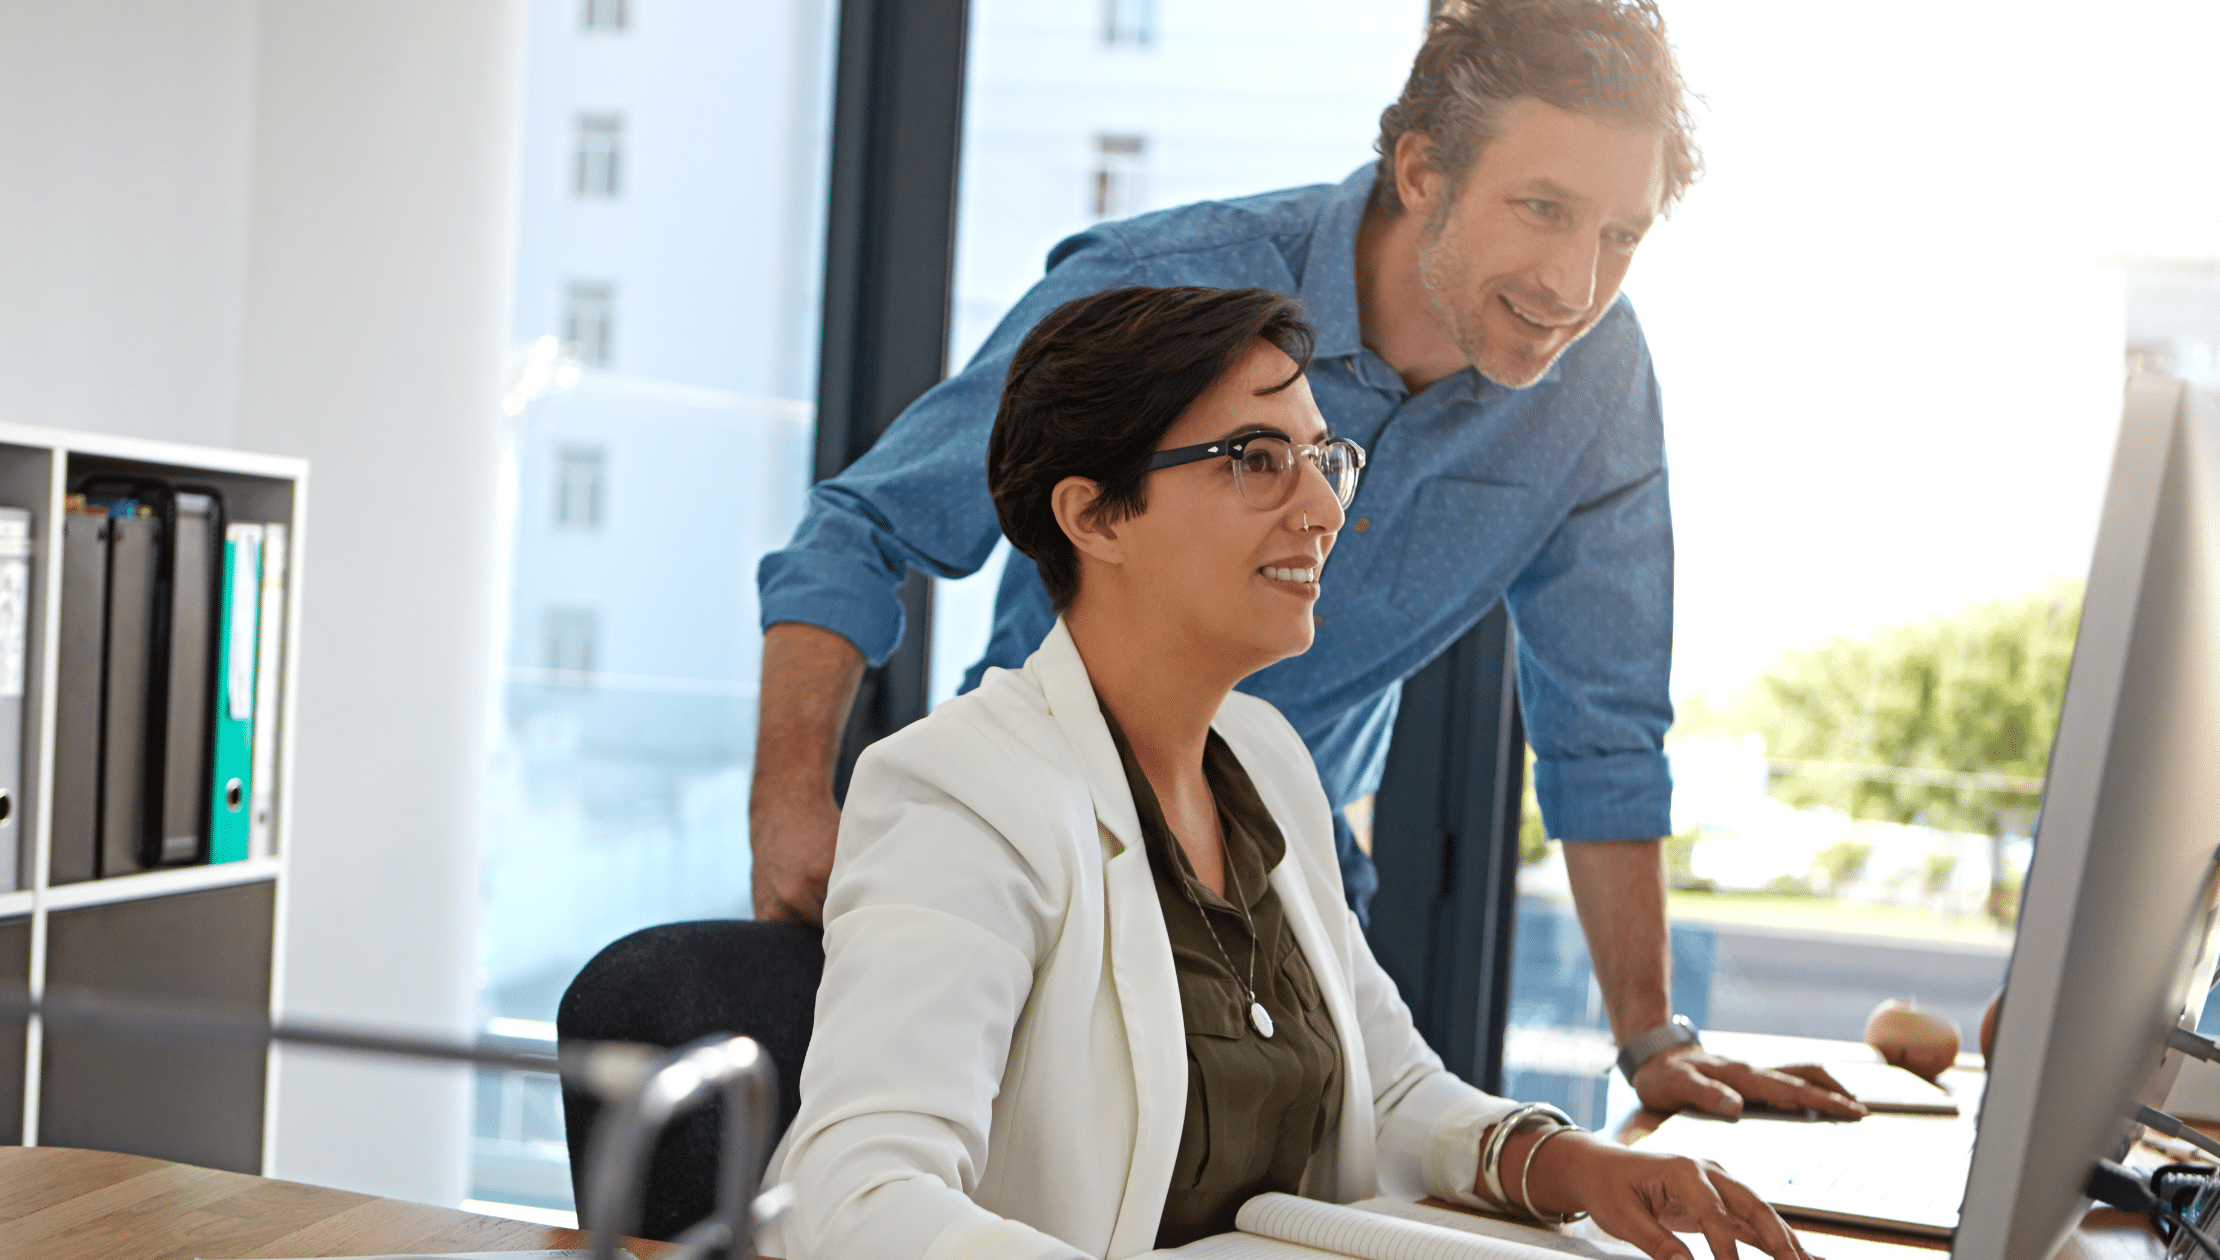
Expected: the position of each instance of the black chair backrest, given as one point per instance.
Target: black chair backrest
(666, 986)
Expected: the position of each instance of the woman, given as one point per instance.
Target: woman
(1090, 983)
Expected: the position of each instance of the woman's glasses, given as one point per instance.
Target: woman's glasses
(1264, 467)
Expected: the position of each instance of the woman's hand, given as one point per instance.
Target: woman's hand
(1645, 1199)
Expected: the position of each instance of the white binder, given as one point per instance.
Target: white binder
(268, 660)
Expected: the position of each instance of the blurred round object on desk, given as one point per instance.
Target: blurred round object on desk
(1988, 1025)
(1917, 1041)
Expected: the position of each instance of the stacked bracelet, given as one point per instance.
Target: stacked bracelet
(1526, 1200)
(1529, 1116)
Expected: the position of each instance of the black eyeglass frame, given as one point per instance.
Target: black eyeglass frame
(1233, 447)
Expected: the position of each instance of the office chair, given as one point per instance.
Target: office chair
(665, 986)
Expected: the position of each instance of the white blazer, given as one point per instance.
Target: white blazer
(999, 1063)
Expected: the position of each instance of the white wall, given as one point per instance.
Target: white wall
(287, 226)
(123, 220)
(377, 290)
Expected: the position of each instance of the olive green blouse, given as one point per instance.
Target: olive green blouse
(1257, 1108)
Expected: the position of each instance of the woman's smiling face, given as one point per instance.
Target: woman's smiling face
(1232, 577)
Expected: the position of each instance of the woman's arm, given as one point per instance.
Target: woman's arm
(1432, 1126)
(934, 924)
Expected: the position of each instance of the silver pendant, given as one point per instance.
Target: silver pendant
(1262, 1019)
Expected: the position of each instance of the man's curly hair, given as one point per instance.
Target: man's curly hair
(1607, 59)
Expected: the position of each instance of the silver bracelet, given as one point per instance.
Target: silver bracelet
(1527, 1200)
(1508, 1127)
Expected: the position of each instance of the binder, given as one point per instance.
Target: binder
(80, 648)
(231, 788)
(185, 700)
(268, 657)
(132, 736)
(15, 625)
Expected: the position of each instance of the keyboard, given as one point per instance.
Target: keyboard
(1897, 1172)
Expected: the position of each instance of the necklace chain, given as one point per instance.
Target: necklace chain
(1257, 1016)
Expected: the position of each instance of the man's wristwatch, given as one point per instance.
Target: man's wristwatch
(1676, 1031)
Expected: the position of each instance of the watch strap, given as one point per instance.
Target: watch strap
(1677, 1031)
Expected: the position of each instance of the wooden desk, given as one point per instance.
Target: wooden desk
(63, 1204)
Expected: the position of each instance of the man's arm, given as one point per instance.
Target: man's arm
(809, 681)
(830, 599)
(1619, 889)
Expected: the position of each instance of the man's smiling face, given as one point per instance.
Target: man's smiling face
(1530, 252)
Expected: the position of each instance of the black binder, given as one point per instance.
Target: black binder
(131, 691)
(82, 649)
(157, 673)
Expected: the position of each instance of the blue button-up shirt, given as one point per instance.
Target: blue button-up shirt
(1551, 497)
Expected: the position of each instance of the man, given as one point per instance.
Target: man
(1472, 338)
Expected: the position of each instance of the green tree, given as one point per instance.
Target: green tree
(1977, 692)
(1841, 862)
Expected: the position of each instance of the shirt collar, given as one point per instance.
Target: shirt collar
(1329, 285)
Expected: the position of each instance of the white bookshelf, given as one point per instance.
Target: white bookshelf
(220, 927)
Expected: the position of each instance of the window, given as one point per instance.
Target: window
(1121, 161)
(1017, 200)
(589, 321)
(610, 16)
(1129, 23)
(571, 640)
(617, 794)
(597, 157)
(578, 482)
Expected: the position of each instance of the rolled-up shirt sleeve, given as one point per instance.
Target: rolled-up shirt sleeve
(1594, 612)
(918, 498)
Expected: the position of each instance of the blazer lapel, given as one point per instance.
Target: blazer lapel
(1140, 959)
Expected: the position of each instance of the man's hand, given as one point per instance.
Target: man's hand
(1646, 1199)
(1685, 1076)
(809, 681)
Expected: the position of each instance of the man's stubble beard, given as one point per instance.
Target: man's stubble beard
(1442, 281)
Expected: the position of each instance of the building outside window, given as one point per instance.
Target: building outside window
(590, 321)
(644, 493)
(1129, 23)
(597, 163)
(607, 16)
(578, 486)
(1121, 172)
(572, 639)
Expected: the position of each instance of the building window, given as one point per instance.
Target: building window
(1121, 162)
(590, 321)
(597, 157)
(604, 15)
(571, 642)
(578, 482)
(1129, 23)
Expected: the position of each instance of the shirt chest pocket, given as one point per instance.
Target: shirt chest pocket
(1460, 539)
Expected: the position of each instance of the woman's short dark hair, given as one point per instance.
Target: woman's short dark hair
(1096, 385)
(1607, 59)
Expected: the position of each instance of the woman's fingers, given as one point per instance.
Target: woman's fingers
(1694, 1196)
(1771, 1232)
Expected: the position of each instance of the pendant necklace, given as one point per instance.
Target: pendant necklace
(1259, 1018)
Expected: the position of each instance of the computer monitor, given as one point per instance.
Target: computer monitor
(2115, 943)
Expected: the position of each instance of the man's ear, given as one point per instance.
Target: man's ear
(1416, 180)
(1073, 500)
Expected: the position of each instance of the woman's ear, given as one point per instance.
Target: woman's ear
(1073, 500)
